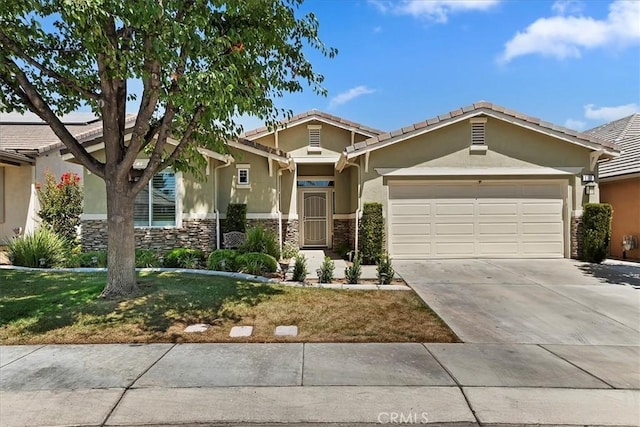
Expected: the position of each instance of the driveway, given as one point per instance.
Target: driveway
(531, 301)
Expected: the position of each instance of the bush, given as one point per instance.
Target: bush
(146, 258)
(260, 239)
(257, 263)
(289, 250)
(326, 270)
(28, 250)
(61, 204)
(353, 272)
(385, 270)
(300, 268)
(85, 259)
(223, 260)
(342, 249)
(236, 217)
(596, 226)
(371, 233)
(183, 258)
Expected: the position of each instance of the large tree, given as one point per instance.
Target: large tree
(201, 64)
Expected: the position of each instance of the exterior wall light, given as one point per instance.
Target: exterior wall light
(590, 189)
(588, 178)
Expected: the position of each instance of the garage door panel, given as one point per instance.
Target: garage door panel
(453, 229)
(476, 219)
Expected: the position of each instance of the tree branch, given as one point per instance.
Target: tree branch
(8, 44)
(23, 88)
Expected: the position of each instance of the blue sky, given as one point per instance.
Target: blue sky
(574, 63)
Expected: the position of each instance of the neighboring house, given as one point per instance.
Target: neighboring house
(619, 181)
(29, 149)
(480, 181)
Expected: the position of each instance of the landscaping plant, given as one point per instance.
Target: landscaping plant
(86, 259)
(146, 258)
(353, 272)
(596, 226)
(42, 248)
(300, 268)
(384, 269)
(183, 258)
(326, 270)
(256, 263)
(223, 260)
(261, 239)
(61, 204)
(371, 233)
(289, 251)
(236, 217)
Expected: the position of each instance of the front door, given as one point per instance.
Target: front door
(314, 218)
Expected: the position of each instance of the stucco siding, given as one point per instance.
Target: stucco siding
(52, 162)
(624, 197)
(198, 195)
(296, 139)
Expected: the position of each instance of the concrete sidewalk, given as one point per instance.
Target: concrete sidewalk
(185, 384)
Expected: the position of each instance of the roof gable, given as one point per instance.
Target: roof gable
(626, 133)
(479, 109)
(311, 116)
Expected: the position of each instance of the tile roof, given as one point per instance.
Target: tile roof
(626, 133)
(28, 133)
(309, 115)
(474, 109)
(12, 157)
(261, 147)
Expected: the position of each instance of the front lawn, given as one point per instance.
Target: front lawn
(54, 307)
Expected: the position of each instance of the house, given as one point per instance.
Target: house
(28, 150)
(619, 181)
(480, 181)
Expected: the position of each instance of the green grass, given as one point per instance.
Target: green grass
(54, 307)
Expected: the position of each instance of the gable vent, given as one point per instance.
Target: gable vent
(314, 136)
(478, 131)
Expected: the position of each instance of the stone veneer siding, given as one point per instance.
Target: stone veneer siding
(289, 228)
(196, 234)
(576, 237)
(344, 231)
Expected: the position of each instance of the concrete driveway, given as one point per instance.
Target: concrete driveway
(531, 301)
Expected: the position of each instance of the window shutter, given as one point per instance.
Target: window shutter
(314, 137)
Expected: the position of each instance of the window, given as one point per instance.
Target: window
(314, 138)
(478, 131)
(155, 205)
(243, 180)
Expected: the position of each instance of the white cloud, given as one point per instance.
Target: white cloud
(351, 94)
(578, 125)
(432, 10)
(567, 36)
(377, 29)
(564, 7)
(609, 114)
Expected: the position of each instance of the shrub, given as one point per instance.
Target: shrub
(85, 259)
(183, 258)
(236, 217)
(354, 271)
(223, 260)
(342, 249)
(146, 258)
(300, 268)
(61, 204)
(289, 250)
(325, 275)
(371, 233)
(385, 270)
(45, 244)
(257, 263)
(596, 226)
(260, 239)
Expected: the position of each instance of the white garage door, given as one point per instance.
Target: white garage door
(517, 220)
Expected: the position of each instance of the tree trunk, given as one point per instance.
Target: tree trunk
(121, 275)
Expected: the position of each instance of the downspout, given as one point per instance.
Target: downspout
(228, 160)
(359, 209)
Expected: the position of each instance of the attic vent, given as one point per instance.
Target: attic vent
(478, 131)
(314, 137)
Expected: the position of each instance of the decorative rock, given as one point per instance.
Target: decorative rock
(198, 327)
(286, 331)
(241, 331)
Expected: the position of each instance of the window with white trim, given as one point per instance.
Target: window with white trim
(243, 177)
(155, 205)
(314, 137)
(478, 125)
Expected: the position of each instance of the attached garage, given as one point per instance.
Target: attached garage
(516, 219)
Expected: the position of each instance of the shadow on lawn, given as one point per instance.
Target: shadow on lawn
(40, 302)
